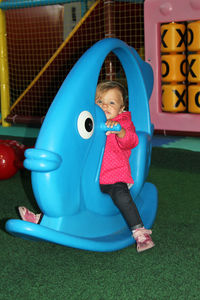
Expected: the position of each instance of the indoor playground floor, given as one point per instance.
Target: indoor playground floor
(40, 270)
(177, 142)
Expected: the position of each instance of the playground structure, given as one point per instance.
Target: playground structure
(39, 50)
(65, 180)
(167, 49)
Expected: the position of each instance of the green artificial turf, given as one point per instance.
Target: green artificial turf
(189, 143)
(171, 270)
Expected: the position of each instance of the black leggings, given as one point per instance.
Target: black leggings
(121, 197)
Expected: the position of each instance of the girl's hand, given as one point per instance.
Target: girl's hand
(111, 124)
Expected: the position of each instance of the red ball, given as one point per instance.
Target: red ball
(8, 166)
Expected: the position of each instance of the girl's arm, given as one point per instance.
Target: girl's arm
(129, 140)
(126, 137)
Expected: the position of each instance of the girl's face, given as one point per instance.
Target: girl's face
(111, 102)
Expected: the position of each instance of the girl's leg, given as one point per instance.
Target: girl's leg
(121, 197)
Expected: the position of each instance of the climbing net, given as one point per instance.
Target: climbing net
(45, 42)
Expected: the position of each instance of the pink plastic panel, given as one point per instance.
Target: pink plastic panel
(155, 13)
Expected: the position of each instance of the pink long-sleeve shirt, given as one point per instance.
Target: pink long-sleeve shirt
(115, 165)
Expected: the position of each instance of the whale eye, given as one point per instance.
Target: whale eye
(85, 124)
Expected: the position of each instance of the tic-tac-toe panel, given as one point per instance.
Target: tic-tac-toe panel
(172, 47)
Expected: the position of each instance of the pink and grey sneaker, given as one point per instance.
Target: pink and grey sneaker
(28, 216)
(143, 239)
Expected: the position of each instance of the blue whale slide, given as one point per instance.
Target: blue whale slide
(66, 161)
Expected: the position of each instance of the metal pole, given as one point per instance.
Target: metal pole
(4, 77)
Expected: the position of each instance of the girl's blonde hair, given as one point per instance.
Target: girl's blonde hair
(107, 85)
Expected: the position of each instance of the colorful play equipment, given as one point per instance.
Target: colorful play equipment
(11, 158)
(66, 160)
(194, 67)
(57, 33)
(176, 84)
(171, 17)
(17, 58)
(173, 67)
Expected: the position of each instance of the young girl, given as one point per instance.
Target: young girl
(115, 175)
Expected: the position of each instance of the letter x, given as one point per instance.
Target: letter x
(190, 68)
(162, 38)
(180, 97)
(182, 36)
